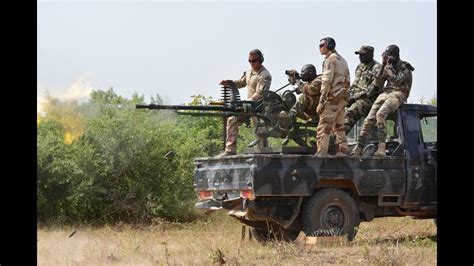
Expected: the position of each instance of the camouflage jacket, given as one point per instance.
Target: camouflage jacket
(398, 77)
(312, 88)
(364, 78)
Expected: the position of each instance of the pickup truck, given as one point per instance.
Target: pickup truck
(282, 192)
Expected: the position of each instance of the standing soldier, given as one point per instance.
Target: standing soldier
(362, 90)
(334, 96)
(257, 79)
(398, 75)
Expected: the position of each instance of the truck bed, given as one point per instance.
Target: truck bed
(297, 175)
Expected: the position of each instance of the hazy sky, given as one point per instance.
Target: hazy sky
(179, 49)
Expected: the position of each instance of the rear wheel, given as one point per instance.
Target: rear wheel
(274, 233)
(331, 212)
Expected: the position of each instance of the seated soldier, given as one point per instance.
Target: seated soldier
(310, 92)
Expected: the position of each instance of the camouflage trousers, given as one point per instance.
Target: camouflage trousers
(331, 120)
(232, 130)
(306, 105)
(360, 108)
(385, 104)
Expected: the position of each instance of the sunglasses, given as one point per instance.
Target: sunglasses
(253, 61)
(322, 45)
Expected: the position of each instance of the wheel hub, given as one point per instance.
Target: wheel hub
(333, 217)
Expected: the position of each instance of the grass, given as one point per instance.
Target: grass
(217, 239)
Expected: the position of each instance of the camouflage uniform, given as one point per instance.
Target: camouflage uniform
(363, 83)
(308, 100)
(334, 96)
(256, 82)
(396, 92)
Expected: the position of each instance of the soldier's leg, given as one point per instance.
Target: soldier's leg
(326, 123)
(302, 103)
(232, 131)
(370, 120)
(389, 106)
(339, 129)
(355, 112)
(351, 118)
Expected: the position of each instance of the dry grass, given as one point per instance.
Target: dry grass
(384, 241)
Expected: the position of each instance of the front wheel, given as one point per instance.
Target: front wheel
(331, 212)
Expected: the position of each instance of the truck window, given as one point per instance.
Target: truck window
(392, 130)
(392, 133)
(429, 130)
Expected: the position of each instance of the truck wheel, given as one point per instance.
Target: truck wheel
(331, 212)
(265, 235)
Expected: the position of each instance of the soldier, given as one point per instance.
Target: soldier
(257, 79)
(362, 90)
(310, 92)
(334, 96)
(398, 75)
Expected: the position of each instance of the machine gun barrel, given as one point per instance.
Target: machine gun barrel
(184, 107)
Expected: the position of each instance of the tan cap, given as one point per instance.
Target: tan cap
(365, 49)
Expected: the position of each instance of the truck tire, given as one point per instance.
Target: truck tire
(331, 211)
(279, 234)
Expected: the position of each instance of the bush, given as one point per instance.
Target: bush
(104, 161)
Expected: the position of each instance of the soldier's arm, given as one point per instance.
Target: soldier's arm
(263, 84)
(372, 89)
(314, 87)
(327, 77)
(397, 77)
(380, 76)
(356, 78)
(242, 82)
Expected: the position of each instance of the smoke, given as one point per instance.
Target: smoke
(79, 90)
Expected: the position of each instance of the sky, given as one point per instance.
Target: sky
(184, 48)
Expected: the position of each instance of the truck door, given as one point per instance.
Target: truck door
(421, 168)
(430, 156)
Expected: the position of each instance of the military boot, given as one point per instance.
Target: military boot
(380, 150)
(357, 151)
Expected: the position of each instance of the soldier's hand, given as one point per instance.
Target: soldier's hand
(384, 59)
(390, 59)
(299, 87)
(225, 82)
(319, 109)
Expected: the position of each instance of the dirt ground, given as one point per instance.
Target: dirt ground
(386, 241)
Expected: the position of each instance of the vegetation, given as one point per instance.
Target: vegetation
(105, 161)
(217, 239)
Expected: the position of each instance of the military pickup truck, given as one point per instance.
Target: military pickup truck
(281, 193)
